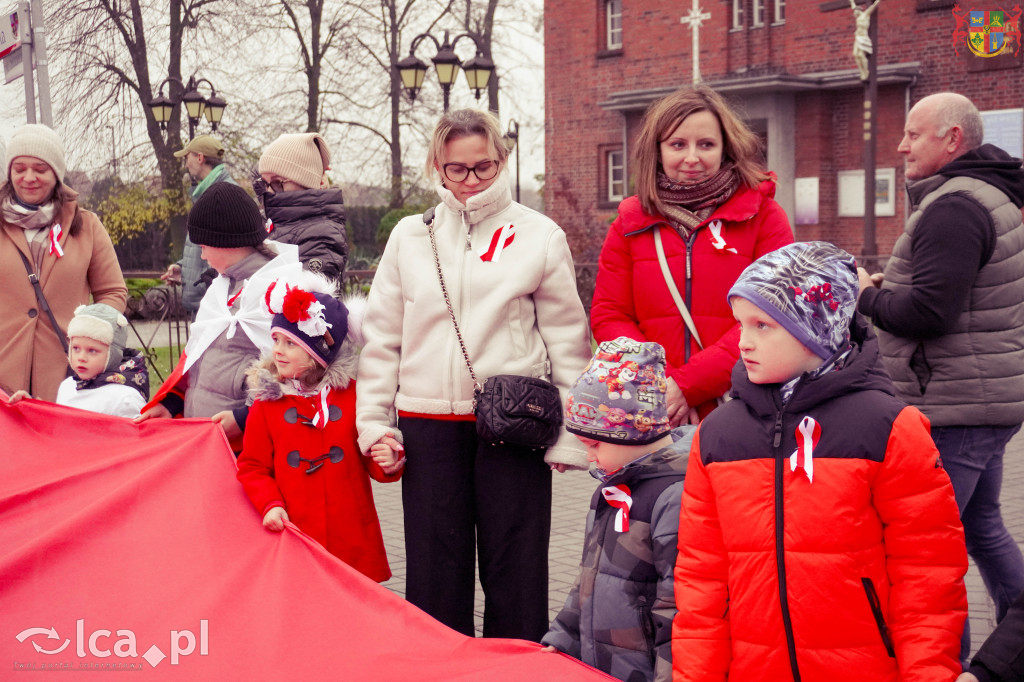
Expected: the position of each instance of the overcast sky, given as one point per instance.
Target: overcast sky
(519, 58)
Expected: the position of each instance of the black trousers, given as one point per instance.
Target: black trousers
(460, 497)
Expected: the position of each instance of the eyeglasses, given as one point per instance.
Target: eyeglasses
(485, 170)
(261, 186)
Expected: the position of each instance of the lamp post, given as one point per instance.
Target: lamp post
(512, 142)
(196, 106)
(113, 149)
(447, 64)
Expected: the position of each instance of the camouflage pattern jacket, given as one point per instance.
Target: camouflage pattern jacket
(626, 631)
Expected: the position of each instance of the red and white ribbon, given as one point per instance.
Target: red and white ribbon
(501, 239)
(807, 435)
(269, 226)
(717, 241)
(323, 410)
(619, 497)
(55, 235)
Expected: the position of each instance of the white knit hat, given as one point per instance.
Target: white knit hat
(102, 323)
(41, 142)
(300, 157)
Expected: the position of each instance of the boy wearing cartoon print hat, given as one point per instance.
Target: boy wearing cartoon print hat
(618, 616)
(819, 538)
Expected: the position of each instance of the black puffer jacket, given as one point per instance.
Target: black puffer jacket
(313, 220)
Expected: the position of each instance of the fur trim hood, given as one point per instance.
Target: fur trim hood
(263, 386)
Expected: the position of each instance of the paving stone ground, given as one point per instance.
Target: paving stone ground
(572, 493)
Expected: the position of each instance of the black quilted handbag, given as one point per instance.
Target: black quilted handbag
(518, 410)
(510, 409)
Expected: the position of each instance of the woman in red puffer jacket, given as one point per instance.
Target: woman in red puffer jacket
(701, 188)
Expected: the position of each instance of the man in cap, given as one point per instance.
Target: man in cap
(204, 161)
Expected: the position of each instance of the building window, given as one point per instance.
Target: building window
(737, 14)
(780, 11)
(613, 24)
(758, 18)
(616, 175)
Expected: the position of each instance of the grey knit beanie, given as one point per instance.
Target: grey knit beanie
(102, 323)
(300, 157)
(41, 142)
(810, 288)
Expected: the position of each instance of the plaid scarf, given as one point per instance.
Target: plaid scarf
(687, 206)
(26, 217)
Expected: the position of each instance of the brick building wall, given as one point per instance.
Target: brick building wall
(794, 80)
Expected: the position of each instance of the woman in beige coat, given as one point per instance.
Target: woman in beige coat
(43, 229)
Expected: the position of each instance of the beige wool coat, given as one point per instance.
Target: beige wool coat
(31, 355)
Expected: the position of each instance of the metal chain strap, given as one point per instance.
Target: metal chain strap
(451, 311)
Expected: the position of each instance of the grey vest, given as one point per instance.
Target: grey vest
(974, 375)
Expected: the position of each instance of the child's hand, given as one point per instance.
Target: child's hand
(390, 469)
(275, 518)
(18, 395)
(549, 649)
(158, 411)
(389, 454)
(226, 419)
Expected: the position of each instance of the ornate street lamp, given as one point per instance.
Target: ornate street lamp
(512, 142)
(447, 64)
(196, 106)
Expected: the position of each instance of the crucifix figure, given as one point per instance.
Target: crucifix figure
(861, 42)
(695, 19)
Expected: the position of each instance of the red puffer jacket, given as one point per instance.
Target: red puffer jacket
(631, 298)
(854, 573)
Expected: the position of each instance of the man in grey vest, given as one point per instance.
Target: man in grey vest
(950, 317)
(204, 161)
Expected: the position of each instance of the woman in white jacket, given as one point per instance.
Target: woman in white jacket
(511, 281)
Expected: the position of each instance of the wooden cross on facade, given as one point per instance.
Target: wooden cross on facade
(695, 19)
(869, 251)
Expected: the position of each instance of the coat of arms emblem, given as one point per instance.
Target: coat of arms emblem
(988, 32)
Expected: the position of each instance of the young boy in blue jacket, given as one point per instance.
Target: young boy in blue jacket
(617, 408)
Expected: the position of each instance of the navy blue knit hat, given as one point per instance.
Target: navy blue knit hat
(810, 288)
(316, 321)
(620, 397)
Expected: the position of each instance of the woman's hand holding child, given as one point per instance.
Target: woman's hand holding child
(389, 454)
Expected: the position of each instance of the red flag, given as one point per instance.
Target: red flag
(168, 385)
(132, 546)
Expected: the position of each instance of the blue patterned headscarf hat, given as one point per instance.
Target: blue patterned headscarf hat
(810, 288)
(620, 397)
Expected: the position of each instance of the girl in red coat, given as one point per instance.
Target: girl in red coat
(300, 462)
(704, 199)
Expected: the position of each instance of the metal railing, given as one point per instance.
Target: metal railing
(155, 315)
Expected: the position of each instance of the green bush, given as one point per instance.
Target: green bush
(391, 218)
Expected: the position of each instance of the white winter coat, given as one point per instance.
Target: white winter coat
(512, 284)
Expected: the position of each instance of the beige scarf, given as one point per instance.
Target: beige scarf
(28, 218)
